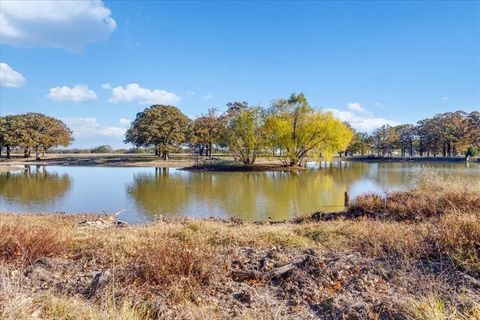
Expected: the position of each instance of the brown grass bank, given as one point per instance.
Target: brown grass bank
(86, 267)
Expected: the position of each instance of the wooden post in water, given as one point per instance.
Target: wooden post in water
(346, 202)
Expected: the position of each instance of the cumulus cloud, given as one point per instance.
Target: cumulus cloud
(107, 86)
(9, 77)
(89, 127)
(134, 93)
(79, 93)
(363, 121)
(62, 24)
(207, 97)
(356, 107)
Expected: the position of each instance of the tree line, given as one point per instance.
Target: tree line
(289, 129)
(32, 132)
(446, 134)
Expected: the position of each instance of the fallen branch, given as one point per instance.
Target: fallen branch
(245, 275)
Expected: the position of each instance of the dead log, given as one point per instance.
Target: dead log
(245, 275)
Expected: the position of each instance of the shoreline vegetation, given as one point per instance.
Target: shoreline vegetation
(190, 162)
(409, 255)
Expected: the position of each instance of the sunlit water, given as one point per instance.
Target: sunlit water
(147, 192)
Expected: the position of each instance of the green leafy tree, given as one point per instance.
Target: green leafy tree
(360, 144)
(34, 131)
(102, 149)
(384, 140)
(406, 135)
(473, 129)
(41, 132)
(164, 127)
(243, 134)
(205, 131)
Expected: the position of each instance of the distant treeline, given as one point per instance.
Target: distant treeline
(100, 149)
(290, 130)
(446, 134)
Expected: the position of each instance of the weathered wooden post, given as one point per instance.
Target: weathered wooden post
(346, 202)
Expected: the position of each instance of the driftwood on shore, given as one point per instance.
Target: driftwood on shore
(245, 275)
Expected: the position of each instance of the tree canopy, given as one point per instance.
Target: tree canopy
(205, 131)
(161, 126)
(447, 134)
(243, 134)
(33, 131)
(297, 131)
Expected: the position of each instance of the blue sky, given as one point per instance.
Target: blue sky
(96, 64)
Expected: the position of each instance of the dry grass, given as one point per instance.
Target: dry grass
(432, 197)
(165, 262)
(24, 243)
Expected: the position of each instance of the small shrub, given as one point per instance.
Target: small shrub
(163, 262)
(433, 197)
(458, 235)
(25, 243)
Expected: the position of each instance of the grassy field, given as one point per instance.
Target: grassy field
(411, 255)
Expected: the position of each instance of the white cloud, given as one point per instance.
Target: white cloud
(379, 104)
(125, 121)
(107, 86)
(61, 24)
(444, 98)
(356, 107)
(89, 127)
(208, 96)
(9, 77)
(79, 93)
(134, 93)
(112, 131)
(365, 122)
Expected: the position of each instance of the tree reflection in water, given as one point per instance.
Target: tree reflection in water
(243, 195)
(33, 186)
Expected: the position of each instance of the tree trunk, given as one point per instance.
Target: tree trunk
(8, 152)
(165, 155)
(210, 150)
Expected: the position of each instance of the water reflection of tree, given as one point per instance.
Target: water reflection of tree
(36, 186)
(159, 193)
(245, 195)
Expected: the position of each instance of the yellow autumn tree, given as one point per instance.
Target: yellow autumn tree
(297, 132)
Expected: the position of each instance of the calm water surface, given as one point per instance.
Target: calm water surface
(147, 192)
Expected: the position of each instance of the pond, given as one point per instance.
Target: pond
(147, 192)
